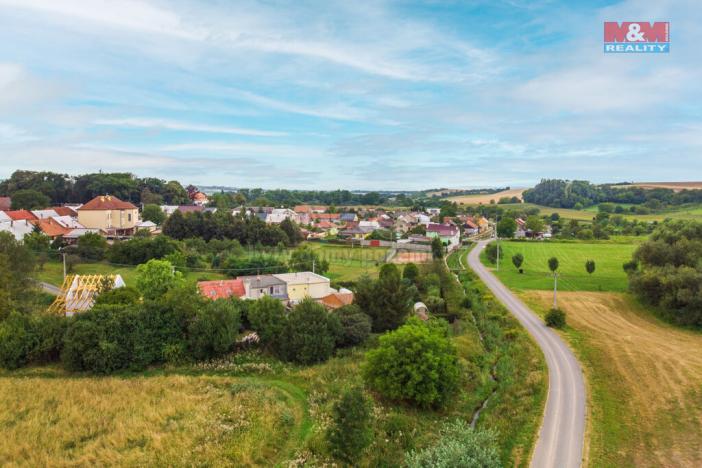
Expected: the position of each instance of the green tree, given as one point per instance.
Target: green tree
(437, 248)
(267, 318)
(392, 299)
(119, 296)
(555, 318)
(491, 251)
(174, 193)
(459, 445)
(535, 224)
(517, 260)
(17, 340)
(156, 277)
(153, 213)
(590, 266)
(305, 259)
(29, 200)
(411, 273)
(17, 264)
(506, 227)
(355, 325)
(91, 246)
(214, 330)
(350, 431)
(417, 364)
(292, 231)
(176, 226)
(309, 333)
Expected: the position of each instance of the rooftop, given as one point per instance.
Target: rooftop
(106, 202)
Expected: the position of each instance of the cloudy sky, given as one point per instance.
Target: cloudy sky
(348, 94)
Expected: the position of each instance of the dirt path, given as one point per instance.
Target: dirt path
(645, 377)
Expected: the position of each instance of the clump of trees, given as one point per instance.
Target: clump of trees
(387, 300)
(417, 364)
(666, 271)
(351, 431)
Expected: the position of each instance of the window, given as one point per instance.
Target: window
(129, 217)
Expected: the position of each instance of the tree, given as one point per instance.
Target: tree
(292, 230)
(590, 266)
(91, 246)
(309, 333)
(156, 277)
(214, 330)
(517, 260)
(355, 325)
(553, 266)
(118, 296)
(305, 259)
(506, 227)
(17, 264)
(459, 445)
(153, 213)
(417, 364)
(350, 431)
(174, 193)
(411, 273)
(491, 251)
(555, 318)
(17, 340)
(267, 318)
(437, 248)
(392, 299)
(534, 224)
(29, 200)
(176, 226)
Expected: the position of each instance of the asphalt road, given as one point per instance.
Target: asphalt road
(560, 442)
(50, 288)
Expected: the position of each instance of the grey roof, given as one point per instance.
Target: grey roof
(262, 281)
(347, 216)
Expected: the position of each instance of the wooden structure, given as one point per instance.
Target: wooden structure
(78, 292)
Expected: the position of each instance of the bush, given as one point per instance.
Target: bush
(556, 318)
(91, 246)
(119, 296)
(310, 333)
(416, 363)
(355, 325)
(267, 318)
(50, 330)
(214, 330)
(459, 445)
(350, 432)
(17, 340)
(491, 252)
(156, 277)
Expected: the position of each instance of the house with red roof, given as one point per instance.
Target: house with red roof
(20, 215)
(222, 289)
(109, 213)
(448, 233)
(51, 227)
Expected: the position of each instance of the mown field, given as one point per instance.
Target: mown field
(608, 257)
(644, 380)
(485, 198)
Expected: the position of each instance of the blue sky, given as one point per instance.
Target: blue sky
(364, 94)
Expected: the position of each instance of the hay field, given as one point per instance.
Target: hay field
(484, 199)
(143, 421)
(676, 186)
(644, 380)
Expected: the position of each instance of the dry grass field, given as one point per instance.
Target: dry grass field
(484, 199)
(412, 257)
(143, 421)
(676, 186)
(644, 380)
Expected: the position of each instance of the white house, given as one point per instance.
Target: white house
(278, 215)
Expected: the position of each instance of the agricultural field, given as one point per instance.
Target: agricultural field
(608, 257)
(484, 198)
(348, 263)
(644, 379)
(676, 186)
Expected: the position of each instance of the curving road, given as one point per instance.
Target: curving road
(560, 442)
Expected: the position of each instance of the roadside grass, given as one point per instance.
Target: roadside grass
(608, 276)
(644, 379)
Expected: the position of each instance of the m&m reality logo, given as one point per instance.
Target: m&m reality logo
(636, 37)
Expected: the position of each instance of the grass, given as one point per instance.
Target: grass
(608, 257)
(644, 380)
(347, 263)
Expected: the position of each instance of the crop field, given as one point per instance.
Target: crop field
(644, 380)
(484, 198)
(347, 263)
(608, 257)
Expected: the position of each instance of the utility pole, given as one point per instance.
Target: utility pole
(497, 242)
(555, 287)
(63, 254)
(313, 265)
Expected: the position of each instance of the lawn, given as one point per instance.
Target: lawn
(347, 263)
(644, 380)
(608, 257)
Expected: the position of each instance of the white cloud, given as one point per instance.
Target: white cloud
(139, 122)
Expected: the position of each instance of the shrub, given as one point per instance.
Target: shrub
(310, 333)
(214, 330)
(156, 277)
(350, 432)
(50, 330)
(556, 318)
(459, 445)
(119, 296)
(17, 340)
(267, 318)
(355, 325)
(491, 252)
(91, 246)
(411, 273)
(416, 363)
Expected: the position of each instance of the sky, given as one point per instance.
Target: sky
(368, 95)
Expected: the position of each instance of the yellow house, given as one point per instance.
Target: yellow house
(112, 215)
(305, 284)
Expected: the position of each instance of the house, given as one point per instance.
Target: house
(337, 299)
(4, 217)
(348, 217)
(51, 228)
(433, 211)
(222, 289)
(449, 234)
(199, 198)
(422, 219)
(421, 311)
(5, 203)
(278, 215)
(78, 292)
(74, 234)
(147, 226)
(68, 221)
(521, 228)
(264, 285)
(185, 209)
(334, 217)
(470, 227)
(43, 214)
(483, 224)
(65, 211)
(21, 215)
(305, 284)
(370, 224)
(110, 214)
(309, 209)
(19, 229)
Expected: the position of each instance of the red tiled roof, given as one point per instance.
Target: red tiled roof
(336, 300)
(18, 215)
(325, 215)
(64, 211)
(222, 289)
(308, 208)
(106, 202)
(5, 203)
(470, 224)
(325, 225)
(442, 229)
(51, 227)
(199, 196)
